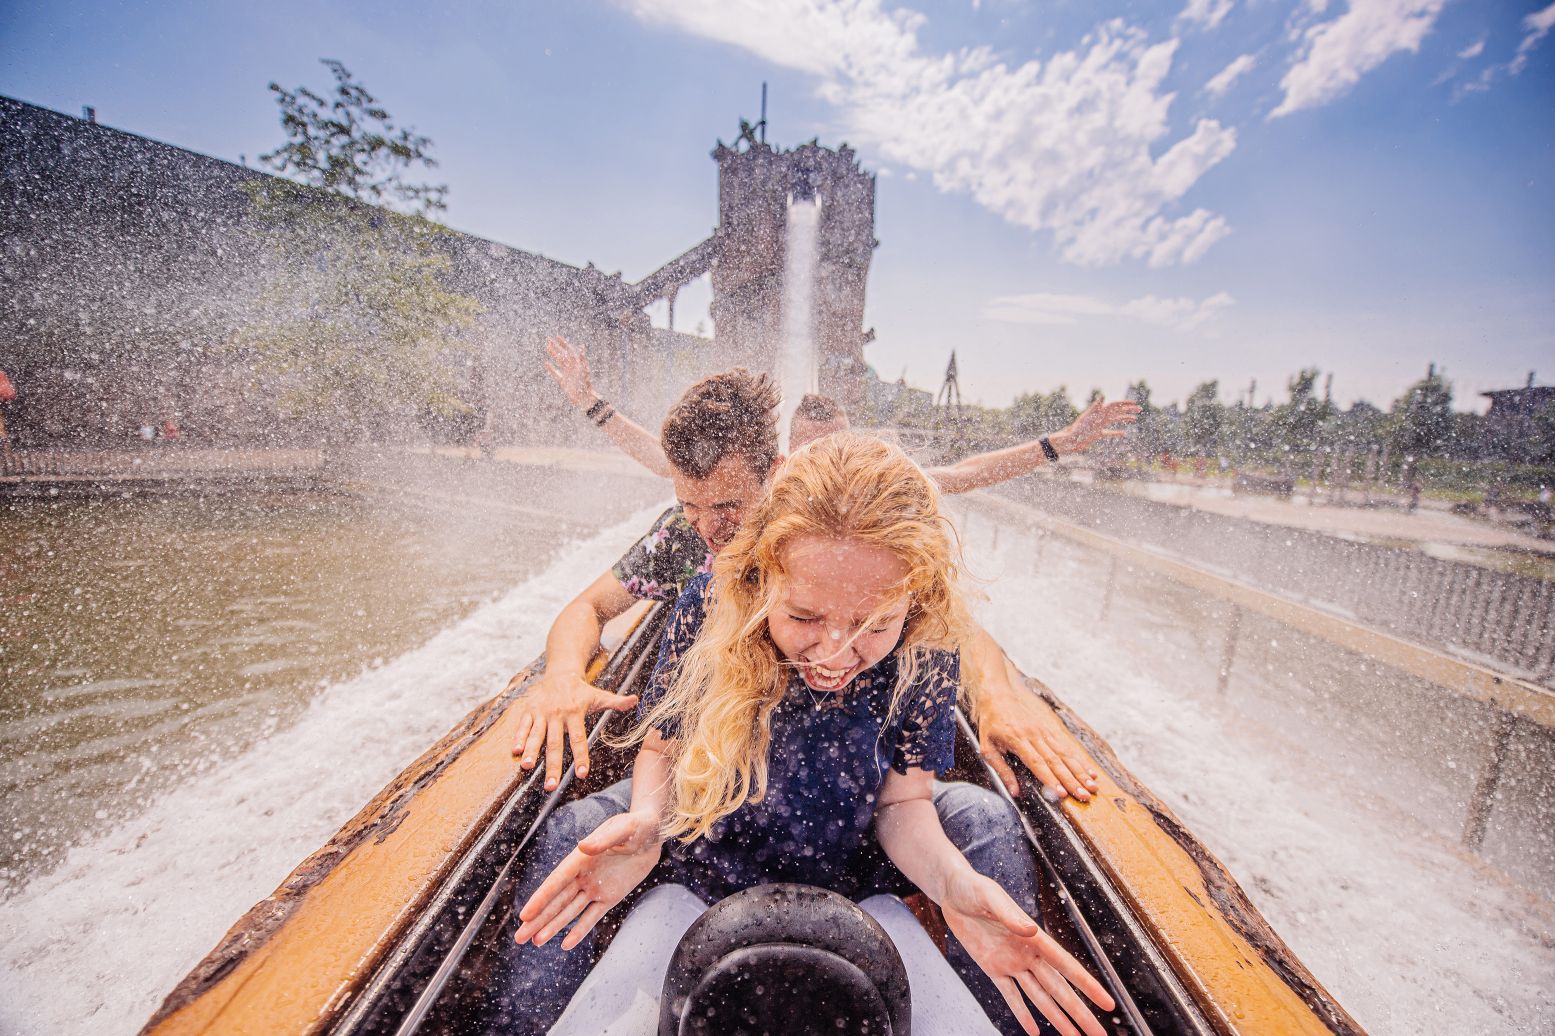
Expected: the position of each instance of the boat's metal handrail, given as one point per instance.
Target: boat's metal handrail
(1113, 981)
(434, 988)
(631, 655)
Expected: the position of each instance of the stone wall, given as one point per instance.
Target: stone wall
(128, 263)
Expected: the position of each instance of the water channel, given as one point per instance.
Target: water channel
(199, 692)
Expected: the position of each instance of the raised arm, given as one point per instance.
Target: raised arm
(609, 863)
(995, 466)
(1007, 944)
(560, 699)
(570, 368)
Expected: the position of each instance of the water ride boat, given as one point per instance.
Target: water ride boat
(395, 926)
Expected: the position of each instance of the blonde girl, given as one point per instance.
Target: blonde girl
(800, 708)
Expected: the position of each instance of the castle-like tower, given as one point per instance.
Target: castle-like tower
(755, 185)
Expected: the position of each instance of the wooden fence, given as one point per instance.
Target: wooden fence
(1511, 698)
(1499, 619)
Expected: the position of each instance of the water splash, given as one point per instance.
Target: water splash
(94, 945)
(798, 375)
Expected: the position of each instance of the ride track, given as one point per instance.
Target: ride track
(394, 926)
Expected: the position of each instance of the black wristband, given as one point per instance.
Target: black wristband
(592, 412)
(1047, 449)
(604, 418)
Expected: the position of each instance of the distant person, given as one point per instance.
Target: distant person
(170, 430)
(816, 416)
(7, 397)
(1414, 494)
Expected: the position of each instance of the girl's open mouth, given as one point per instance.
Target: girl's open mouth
(824, 678)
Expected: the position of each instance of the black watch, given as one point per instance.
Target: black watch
(1047, 449)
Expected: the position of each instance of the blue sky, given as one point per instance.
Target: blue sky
(1071, 192)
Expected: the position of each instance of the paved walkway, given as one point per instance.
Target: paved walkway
(609, 463)
(1426, 525)
(171, 462)
(150, 463)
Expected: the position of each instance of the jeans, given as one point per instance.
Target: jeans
(540, 980)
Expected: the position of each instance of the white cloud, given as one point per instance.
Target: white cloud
(1230, 74)
(1208, 13)
(1182, 314)
(1537, 26)
(1472, 51)
(1334, 55)
(1064, 146)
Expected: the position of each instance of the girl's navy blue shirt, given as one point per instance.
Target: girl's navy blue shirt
(826, 764)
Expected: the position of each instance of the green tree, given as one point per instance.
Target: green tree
(358, 322)
(1149, 430)
(1421, 419)
(1203, 418)
(1026, 415)
(1360, 428)
(350, 146)
(1057, 409)
(1300, 418)
(1033, 414)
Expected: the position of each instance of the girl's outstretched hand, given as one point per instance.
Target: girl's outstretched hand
(1019, 956)
(592, 878)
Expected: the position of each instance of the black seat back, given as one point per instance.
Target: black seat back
(789, 959)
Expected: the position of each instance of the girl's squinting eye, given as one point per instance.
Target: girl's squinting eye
(803, 619)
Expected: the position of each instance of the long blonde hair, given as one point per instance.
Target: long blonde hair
(723, 693)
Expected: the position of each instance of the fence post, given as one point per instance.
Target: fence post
(1489, 781)
(1228, 655)
(1112, 578)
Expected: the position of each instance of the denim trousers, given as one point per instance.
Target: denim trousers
(539, 980)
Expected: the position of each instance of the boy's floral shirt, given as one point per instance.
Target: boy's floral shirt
(659, 565)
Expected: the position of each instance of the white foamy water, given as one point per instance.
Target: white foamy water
(1409, 931)
(95, 944)
(799, 375)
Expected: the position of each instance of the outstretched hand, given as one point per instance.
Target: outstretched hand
(591, 879)
(1012, 720)
(551, 712)
(1020, 957)
(1096, 421)
(568, 365)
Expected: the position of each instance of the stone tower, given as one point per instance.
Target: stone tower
(755, 184)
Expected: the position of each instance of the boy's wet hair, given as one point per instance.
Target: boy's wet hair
(815, 407)
(730, 413)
